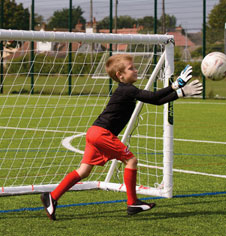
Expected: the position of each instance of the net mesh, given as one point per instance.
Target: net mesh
(52, 94)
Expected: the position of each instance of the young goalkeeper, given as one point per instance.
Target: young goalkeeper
(102, 143)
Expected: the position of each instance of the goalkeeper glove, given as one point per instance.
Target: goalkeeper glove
(191, 89)
(184, 77)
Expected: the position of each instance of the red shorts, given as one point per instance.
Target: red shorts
(102, 146)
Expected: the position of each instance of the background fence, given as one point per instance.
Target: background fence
(198, 26)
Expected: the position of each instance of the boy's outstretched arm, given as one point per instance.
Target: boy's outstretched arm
(178, 89)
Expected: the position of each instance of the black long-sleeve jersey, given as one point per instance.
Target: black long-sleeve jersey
(122, 103)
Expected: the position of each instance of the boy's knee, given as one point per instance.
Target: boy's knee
(134, 160)
(84, 175)
(132, 163)
(84, 171)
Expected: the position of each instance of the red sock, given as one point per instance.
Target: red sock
(130, 179)
(69, 180)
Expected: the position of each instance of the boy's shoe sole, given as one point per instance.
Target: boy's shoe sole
(49, 204)
(139, 206)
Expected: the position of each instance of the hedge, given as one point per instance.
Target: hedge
(180, 65)
(81, 64)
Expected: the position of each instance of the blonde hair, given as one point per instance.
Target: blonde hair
(116, 63)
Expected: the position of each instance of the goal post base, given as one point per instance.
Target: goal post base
(159, 192)
(31, 189)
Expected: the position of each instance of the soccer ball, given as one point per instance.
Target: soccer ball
(213, 66)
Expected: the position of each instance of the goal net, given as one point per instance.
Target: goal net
(53, 88)
(142, 59)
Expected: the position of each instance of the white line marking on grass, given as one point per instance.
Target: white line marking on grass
(40, 130)
(185, 171)
(181, 140)
(199, 141)
(138, 136)
(203, 103)
(67, 143)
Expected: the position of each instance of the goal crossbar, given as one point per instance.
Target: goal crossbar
(83, 37)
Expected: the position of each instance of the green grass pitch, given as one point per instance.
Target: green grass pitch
(198, 206)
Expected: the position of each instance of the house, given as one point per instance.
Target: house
(183, 42)
(180, 39)
(121, 47)
(61, 48)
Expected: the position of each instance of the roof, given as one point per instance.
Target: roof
(121, 31)
(181, 40)
(120, 47)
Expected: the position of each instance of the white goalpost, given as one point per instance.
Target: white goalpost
(51, 95)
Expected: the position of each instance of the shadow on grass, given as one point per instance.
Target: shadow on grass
(117, 214)
(167, 215)
(173, 209)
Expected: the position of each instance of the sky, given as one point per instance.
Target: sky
(189, 14)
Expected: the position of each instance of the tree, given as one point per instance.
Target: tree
(60, 18)
(104, 23)
(15, 16)
(147, 22)
(126, 22)
(216, 22)
(122, 22)
(170, 21)
(39, 19)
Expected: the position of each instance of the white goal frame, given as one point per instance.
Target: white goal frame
(166, 60)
